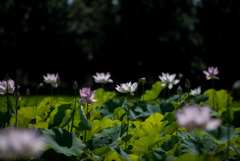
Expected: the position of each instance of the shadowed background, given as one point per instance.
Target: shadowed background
(129, 39)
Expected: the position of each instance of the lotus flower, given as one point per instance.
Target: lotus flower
(102, 78)
(211, 73)
(194, 117)
(20, 143)
(168, 80)
(195, 92)
(7, 87)
(87, 96)
(52, 79)
(127, 87)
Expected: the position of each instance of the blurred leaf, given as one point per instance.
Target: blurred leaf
(220, 135)
(108, 153)
(197, 144)
(193, 157)
(198, 99)
(219, 100)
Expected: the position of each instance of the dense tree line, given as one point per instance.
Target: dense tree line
(132, 38)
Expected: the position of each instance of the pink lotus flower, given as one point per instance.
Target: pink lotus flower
(7, 87)
(211, 73)
(127, 87)
(21, 143)
(194, 117)
(52, 79)
(87, 96)
(168, 80)
(102, 78)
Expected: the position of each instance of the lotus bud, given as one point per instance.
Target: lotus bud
(27, 91)
(41, 85)
(187, 84)
(6, 77)
(179, 90)
(180, 75)
(142, 80)
(75, 85)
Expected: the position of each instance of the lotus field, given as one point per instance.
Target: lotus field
(128, 123)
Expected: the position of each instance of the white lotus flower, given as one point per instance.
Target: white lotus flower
(195, 92)
(127, 87)
(52, 79)
(102, 78)
(168, 80)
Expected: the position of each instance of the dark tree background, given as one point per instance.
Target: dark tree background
(129, 38)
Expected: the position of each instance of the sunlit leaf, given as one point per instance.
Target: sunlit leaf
(153, 94)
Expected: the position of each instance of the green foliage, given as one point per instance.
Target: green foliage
(64, 142)
(153, 94)
(153, 133)
(219, 100)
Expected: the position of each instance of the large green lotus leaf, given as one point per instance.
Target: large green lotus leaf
(43, 108)
(41, 123)
(98, 125)
(119, 113)
(156, 117)
(150, 126)
(107, 137)
(153, 94)
(67, 118)
(171, 128)
(193, 157)
(58, 114)
(102, 96)
(171, 147)
(122, 153)
(198, 142)
(156, 156)
(108, 153)
(162, 107)
(108, 108)
(137, 132)
(199, 99)
(219, 100)
(80, 121)
(154, 124)
(64, 142)
(95, 115)
(149, 143)
(25, 115)
(221, 134)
